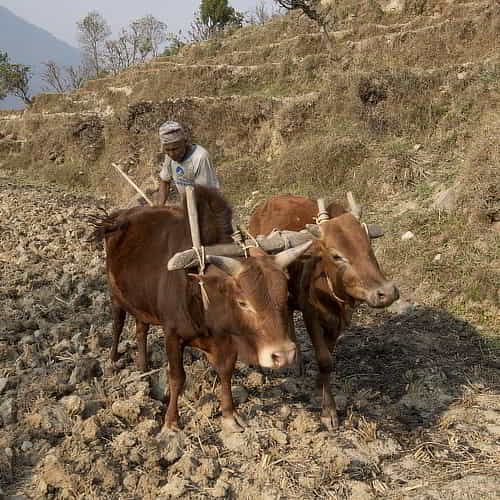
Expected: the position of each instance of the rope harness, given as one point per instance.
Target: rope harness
(238, 238)
(200, 253)
(284, 237)
(323, 216)
(332, 291)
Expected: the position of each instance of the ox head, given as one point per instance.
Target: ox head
(347, 257)
(249, 300)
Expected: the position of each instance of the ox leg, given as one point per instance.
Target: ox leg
(176, 376)
(224, 367)
(326, 366)
(141, 331)
(118, 315)
(222, 355)
(300, 361)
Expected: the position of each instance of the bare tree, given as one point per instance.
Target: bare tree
(53, 76)
(119, 54)
(92, 33)
(62, 79)
(152, 34)
(198, 30)
(141, 39)
(76, 76)
(261, 15)
(314, 10)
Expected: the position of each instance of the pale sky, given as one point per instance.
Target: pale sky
(59, 17)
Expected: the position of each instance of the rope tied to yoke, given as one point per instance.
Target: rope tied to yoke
(286, 240)
(238, 238)
(200, 253)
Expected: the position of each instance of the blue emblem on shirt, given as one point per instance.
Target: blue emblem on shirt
(179, 171)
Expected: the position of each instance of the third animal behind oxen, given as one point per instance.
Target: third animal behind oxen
(341, 272)
(247, 297)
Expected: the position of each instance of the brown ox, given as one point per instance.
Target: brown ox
(342, 272)
(247, 297)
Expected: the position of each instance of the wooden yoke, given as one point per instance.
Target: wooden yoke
(193, 217)
(271, 243)
(194, 226)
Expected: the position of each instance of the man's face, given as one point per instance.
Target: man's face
(176, 150)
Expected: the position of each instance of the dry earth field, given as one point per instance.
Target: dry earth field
(418, 393)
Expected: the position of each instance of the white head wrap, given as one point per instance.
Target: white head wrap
(172, 131)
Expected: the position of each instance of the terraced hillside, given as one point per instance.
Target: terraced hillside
(404, 110)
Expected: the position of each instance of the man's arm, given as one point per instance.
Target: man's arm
(163, 194)
(165, 179)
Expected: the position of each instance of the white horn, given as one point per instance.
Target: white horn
(354, 208)
(226, 264)
(322, 213)
(286, 257)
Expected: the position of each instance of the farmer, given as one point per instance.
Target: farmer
(184, 162)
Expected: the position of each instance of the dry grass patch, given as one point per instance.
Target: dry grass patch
(400, 102)
(318, 166)
(464, 280)
(438, 43)
(240, 178)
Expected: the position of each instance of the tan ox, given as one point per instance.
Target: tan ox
(246, 316)
(340, 273)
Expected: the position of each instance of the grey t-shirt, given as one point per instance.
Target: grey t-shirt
(195, 168)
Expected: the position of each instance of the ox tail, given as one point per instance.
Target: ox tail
(103, 224)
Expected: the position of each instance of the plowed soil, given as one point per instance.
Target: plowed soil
(418, 393)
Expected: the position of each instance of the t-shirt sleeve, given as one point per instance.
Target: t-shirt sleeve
(165, 173)
(204, 173)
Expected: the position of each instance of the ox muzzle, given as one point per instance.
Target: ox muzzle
(383, 295)
(277, 356)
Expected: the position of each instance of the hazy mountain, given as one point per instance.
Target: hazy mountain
(30, 45)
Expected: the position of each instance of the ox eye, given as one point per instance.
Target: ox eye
(338, 258)
(243, 304)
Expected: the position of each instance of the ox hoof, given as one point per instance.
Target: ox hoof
(171, 426)
(233, 424)
(331, 422)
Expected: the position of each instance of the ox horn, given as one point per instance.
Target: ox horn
(286, 257)
(226, 264)
(354, 208)
(322, 213)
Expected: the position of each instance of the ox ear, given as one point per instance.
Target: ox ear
(286, 257)
(230, 266)
(315, 230)
(374, 231)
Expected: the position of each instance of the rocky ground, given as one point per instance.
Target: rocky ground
(418, 394)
